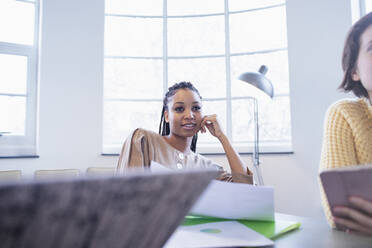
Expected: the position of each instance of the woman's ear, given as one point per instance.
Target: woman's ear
(166, 116)
(355, 75)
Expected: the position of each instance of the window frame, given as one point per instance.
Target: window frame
(24, 145)
(246, 147)
(361, 5)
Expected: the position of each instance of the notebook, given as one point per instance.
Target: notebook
(137, 210)
(203, 231)
(341, 183)
(270, 229)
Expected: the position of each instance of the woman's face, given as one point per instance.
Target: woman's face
(184, 113)
(363, 70)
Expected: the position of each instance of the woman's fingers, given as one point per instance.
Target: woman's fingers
(202, 127)
(361, 204)
(358, 218)
(350, 213)
(211, 123)
(210, 118)
(352, 225)
(366, 207)
(354, 220)
(208, 121)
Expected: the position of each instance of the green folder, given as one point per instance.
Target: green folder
(269, 229)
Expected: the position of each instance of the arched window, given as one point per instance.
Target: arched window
(150, 45)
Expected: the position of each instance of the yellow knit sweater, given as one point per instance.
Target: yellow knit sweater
(347, 138)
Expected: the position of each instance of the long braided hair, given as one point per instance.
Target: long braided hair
(164, 126)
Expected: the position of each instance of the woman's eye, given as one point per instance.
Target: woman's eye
(179, 109)
(196, 108)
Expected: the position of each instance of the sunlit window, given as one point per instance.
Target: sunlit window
(18, 61)
(368, 6)
(152, 44)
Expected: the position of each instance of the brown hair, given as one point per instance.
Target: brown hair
(350, 57)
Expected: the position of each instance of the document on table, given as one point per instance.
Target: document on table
(236, 201)
(217, 234)
(232, 200)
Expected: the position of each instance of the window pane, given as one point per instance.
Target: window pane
(242, 120)
(120, 118)
(13, 76)
(213, 107)
(368, 6)
(274, 120)
(196, 36)
(258, 30)
(126, 36)
(194, 7)
(235, 5)
(277, 63)
(17, 22)
(138, 7)
(12, 114)
(133, 78)
(207, 74)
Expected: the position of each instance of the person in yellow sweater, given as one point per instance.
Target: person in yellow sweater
(347, 137)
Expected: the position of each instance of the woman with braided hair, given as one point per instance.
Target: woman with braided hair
(175, 145)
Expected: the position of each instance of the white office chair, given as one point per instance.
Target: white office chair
(56, 174)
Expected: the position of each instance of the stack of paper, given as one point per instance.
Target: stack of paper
(251, 208)
(230, 214)
(236, 201)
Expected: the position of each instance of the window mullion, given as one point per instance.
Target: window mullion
(165, 47)
(362, 6)
(36, 24)
(31, 106)
(15, 49)
(228, 75)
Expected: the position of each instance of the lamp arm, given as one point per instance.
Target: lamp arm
(256, 133)
(256, 159)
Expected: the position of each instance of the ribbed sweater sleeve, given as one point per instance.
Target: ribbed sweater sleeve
(347, 139)
(338, 143)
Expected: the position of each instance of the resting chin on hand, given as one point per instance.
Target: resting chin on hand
(357, 218)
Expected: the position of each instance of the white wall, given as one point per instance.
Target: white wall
(70, 93)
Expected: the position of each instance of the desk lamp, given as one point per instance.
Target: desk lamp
(258, 80)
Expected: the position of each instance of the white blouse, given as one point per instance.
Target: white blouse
(143, 146)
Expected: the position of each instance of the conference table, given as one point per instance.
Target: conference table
(315, 232)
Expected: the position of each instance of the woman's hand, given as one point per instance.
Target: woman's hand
(211, 123)
(358, 218)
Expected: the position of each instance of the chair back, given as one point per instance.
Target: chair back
(58, 173)
(101, 171)
(10, 175)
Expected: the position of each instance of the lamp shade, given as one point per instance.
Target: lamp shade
(259, 80)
